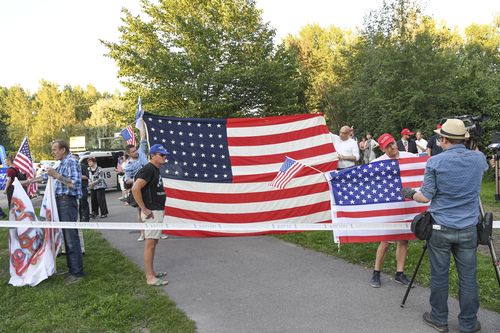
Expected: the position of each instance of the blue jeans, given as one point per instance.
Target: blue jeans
(462, 243)
(67, 207)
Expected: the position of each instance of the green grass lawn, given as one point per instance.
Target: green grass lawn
(364, 254)
(112, 298)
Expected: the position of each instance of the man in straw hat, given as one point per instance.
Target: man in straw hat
(452, 183)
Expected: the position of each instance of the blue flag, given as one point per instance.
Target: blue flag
(138, 114)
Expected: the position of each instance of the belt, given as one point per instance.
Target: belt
(65, 196)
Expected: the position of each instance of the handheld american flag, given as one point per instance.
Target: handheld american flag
(287, 171)
(128, 135)
(219, 169)
(24, 163)
(371, 193)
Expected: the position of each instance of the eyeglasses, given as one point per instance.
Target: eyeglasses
(344, 132)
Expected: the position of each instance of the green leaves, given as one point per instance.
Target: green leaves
(205, 59)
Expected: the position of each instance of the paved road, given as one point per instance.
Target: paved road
(262, 284)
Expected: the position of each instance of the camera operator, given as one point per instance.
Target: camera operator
(452, 183)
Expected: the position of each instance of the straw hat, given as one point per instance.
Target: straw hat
(453, 129)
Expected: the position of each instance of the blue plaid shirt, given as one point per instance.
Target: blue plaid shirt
(453, 181)
(69, 168)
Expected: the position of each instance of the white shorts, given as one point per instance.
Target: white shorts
(157, 218)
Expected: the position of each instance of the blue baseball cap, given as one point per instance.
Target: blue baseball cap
(158, 149)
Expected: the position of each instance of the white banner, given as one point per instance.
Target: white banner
(32, 249)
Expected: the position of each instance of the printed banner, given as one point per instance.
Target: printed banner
(32, 251)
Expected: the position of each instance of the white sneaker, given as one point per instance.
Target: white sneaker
(164, 236)
(141, 238)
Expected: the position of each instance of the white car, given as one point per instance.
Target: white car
(107, 160)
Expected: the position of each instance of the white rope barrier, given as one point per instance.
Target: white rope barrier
(204, 226)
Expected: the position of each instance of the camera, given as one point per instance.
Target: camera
(473, 127)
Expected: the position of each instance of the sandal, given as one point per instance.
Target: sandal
(158, 283)
(161, 275)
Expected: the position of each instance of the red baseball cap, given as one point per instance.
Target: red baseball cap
(384, 140)
(406, 131)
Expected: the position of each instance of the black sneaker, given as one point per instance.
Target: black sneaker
(73, 279)
(429, 321)
(375, 281)
(476, 329)
(402, 279)
(103, 216)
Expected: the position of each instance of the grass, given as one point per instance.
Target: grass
(364, 254)
(112, 298)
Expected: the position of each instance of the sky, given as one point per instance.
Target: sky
(58, 40)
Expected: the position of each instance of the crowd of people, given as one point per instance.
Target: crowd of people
(451, 184)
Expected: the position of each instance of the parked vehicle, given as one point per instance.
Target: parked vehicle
(107, 160)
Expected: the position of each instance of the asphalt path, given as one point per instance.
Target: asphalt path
(263, 284)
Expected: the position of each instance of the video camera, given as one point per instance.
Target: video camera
(472, 125)
(495, 148)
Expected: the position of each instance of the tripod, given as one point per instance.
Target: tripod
(424, 248)
(486, 219)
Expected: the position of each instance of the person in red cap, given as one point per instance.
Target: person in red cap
(434, 145)
(406, 143)
(388, 145)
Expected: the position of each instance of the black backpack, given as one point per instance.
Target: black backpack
(421, 225)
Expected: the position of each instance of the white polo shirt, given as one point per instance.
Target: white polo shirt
(348, 147)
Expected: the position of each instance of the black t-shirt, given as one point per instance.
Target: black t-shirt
(153, 194)
(434, 145)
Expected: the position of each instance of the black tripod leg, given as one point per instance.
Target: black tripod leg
(496, 262)
(414, 275)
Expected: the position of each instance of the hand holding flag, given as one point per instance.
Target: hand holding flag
(128, 135)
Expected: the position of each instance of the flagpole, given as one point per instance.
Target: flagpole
(319, 171)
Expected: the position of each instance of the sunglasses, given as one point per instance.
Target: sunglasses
(162, 155)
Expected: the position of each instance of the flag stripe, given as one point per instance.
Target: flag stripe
(270, 168)
(315, 151)
(277, 138)
(235, 198)
(280, 148)
(270, 175)
(259, 216)
(270, 125)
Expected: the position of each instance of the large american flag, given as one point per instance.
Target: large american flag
(219, 170)
(24, 163)
(371, 193)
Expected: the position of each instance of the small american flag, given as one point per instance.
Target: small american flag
(287, 171)
(371, 193)
(24, 163)
(128, 135)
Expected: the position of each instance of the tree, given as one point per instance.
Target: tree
(18, 107)
(322, 54)
(205, 59)
(55, 113)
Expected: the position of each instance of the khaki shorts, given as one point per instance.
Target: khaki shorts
(157, 218)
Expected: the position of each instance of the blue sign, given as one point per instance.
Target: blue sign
(3, 178)
(3, 155)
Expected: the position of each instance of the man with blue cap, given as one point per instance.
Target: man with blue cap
(150, 196)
